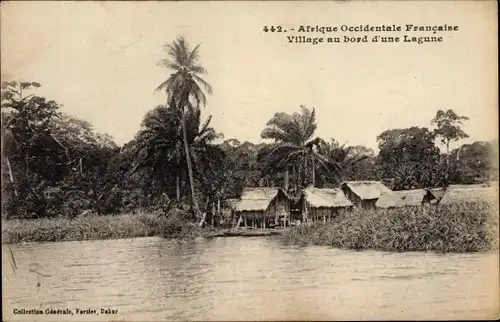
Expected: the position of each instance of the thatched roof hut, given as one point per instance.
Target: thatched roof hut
(455, 194)
(324, 203)
(404, 198)
(262, 204)
(364, 194)
(467, 186)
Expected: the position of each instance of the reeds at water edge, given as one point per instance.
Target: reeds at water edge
(458, 228)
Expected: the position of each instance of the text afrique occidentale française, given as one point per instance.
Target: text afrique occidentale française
(408, 33)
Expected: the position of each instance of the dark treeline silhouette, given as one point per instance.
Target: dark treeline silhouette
(55, 164)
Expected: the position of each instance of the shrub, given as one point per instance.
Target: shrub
(92, 226)
(466, 227)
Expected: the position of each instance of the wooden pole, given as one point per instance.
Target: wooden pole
(313, 172)
(10, 174)
(285, 180)
(178, 188)
(240, 219)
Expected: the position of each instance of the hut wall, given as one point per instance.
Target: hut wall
(322, 213)
(251, 218)
(281, 210)
(354, 198)
(368, 204)
(296, 209)
(428, 198)
(271, 215)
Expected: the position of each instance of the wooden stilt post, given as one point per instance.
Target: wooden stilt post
(240, 219)
(213, 215)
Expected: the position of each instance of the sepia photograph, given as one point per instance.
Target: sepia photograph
(249, 160)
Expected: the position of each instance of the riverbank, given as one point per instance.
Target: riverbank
(91, 227)
(460, 228)
(468, 227)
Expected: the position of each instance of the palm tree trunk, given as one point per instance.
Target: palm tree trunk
(178, 187)
(194, 204)
(295, 177)
(313, 172)
(10, 174)
(447, 164)
(304, 180)
(285, 180)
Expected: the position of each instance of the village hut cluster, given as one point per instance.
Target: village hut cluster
(266, 207)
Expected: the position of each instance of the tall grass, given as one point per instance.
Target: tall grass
(87, 227)
(465, 227)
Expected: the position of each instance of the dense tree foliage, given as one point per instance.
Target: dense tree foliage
(54, 164)
(409, 158)
(474, 163)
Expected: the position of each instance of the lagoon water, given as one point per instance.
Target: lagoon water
(150, 279)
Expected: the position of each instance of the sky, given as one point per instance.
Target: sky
(99, 60)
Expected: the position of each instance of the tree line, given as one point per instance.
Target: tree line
(54, 164)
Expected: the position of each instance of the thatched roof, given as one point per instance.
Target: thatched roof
(396, 199)
(467, 186)
(493, 184)
(256, 199)
(260, 193)
(454, 194)
(437, 192)
(366, 189)
(326, 198)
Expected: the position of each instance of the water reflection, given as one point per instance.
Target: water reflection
(246, 279)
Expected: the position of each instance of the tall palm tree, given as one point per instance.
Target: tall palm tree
(293, 147)
(184, 88)
(160, 148)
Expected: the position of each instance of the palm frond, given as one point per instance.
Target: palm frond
(204, 83)
(193, 55)
(205, 125)
(163, 85)
(198, 70)
(166, 63)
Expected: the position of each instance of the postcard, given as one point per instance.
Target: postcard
(249, 160)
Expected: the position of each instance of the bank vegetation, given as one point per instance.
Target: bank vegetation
(455, 228)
